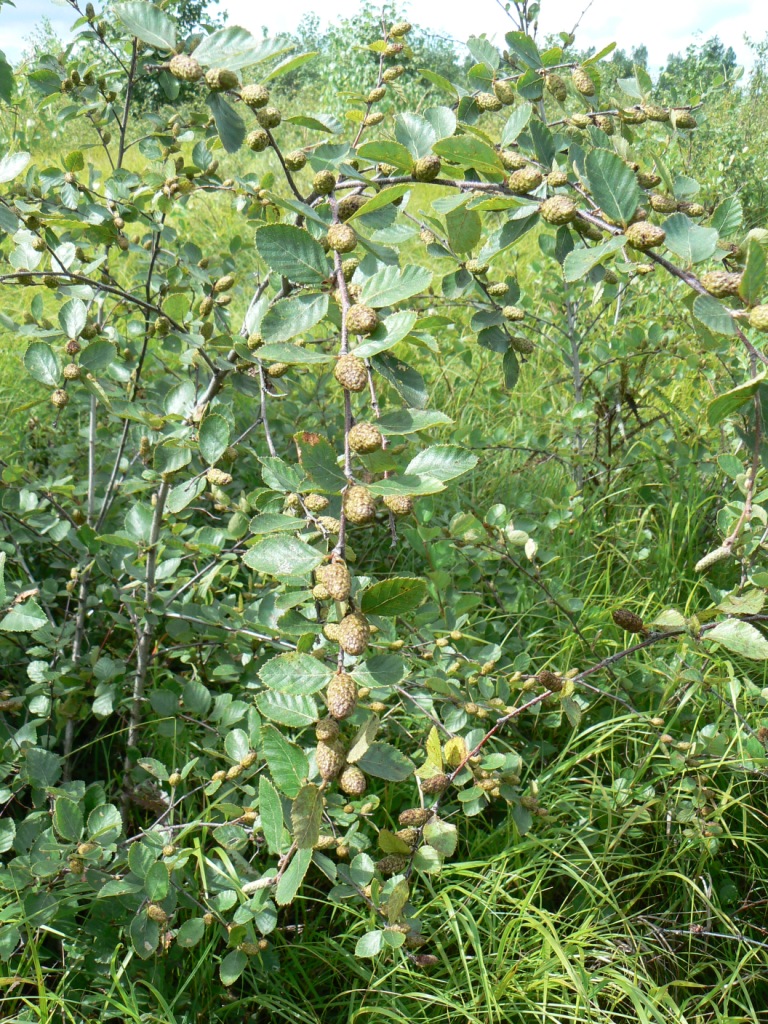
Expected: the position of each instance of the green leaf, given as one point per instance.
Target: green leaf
(286, 709)
(408, 383)
(402, 484)
(229, 124)
(613, 185)
(12, 165)
(291, 64)
(394, 596)
(439, 81)
(271, 813)
(740, 638)
(391, 284)
(306, 816)
(524, 47)
(384, 198)
(464, 228)
(386, 152)
(293, 354)
(580, 261)
(184, 494)
(231, 967)
(297, 314)
(389, 333)
(42, 363)
(291, 881)
(282, 557)
(148, 23)
(287, 762)
(68, 819)
(511, 367)
(145, 935)
(729, 402)
(72, 317)
(213, 438)
(233, 48)
(320, 463)
(294, 673)
(190, 933)
(237, 744)
(415, 133)
(171, 456)
(272, 522)
(293, 253)
(24, 618)
(7, 834)
(370, 944)
(715, 317)
(516, 123)
(409, 421)
(442, 462)
(383, 761)
(156, 882)
(105, 823)
(43, 767)
(752, 285)
(468, 151)
(441, 837)
(97, 356)
(727, 218)
(691, 242)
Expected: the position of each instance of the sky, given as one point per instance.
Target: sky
(664, 26)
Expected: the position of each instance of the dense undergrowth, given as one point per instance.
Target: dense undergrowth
(619, 873)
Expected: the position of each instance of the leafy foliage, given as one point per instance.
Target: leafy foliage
(260, 649)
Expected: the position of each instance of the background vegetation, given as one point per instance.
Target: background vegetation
(621, 874)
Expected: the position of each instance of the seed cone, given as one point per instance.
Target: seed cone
(427, 168)
(683, 119)
(341, 696)
(644, 236)
(605, 124)
(365, 438)
(362, 319)
(662, 204)
(255, 95)
(720, 283)
(758, 318)
(221, 80)
(513, 313)
(351, 373)
(488, 101)
(558, 210)
(185, 68)
(628, 621)
(354, 634)
(556, 86)
(257, 140)
(359, 505)
(556, 179)
(324, 182)
(156, 913)
(268, 117)
(511, 160)
(316, 502)
(351, 204)
(524, 180)
(582, 82)
(399, 504)
(296, 160)
(218, 477)
(655, 113)
(59, 398)
(522, 345)
(336, 579)
(352, 781)
(505, 92)
(414, 816)
(435, 784)
(392, 864)
(327, 729)
(341, 238)
(330, 758)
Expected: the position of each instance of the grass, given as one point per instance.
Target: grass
(625, 902)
